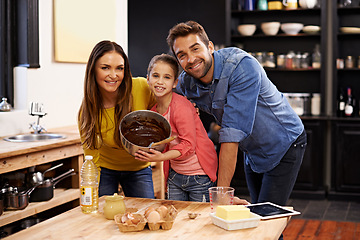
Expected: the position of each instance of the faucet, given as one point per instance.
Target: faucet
(36, 109)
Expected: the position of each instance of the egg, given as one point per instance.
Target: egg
(163, 210)
(148, 210)
(153, 217)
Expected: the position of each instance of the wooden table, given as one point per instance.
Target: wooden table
(76, 225)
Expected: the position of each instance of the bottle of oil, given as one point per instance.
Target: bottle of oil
(89, 186)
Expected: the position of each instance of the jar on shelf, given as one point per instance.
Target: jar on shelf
(297, 60)
(349, 62)
(280, 62)
(259, 57)
(339, 63)
(289, 60)
(315, 104)
(304, 63)
(316, 57)
(270, 60)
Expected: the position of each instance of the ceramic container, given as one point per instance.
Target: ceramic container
(114, 205)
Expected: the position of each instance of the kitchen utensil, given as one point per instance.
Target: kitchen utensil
(45, 191)
(153, 127)
(38, 177)
(246, 29)
(193, 215)
(300, 103)
(18, 200)
(167, 140)
(1, 204)
(221, 196)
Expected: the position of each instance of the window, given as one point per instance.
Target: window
(19, 40)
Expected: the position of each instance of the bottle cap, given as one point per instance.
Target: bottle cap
(88, 157)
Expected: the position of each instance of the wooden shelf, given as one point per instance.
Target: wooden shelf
(61, 196)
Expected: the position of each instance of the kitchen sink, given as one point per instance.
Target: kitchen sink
(34, 137)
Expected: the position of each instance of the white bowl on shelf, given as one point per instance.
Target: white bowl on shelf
(246, 29)
(311, 29)
(270, 28)
(291, 28)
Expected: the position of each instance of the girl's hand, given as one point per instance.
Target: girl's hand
(152, 156)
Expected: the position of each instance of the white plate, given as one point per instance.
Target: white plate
(311, 29)
(236, 224)
(350, 30)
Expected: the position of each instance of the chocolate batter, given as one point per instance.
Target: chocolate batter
(143, 133)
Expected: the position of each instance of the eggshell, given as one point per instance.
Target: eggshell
(153, 217)
(135, 221)
(163, 210)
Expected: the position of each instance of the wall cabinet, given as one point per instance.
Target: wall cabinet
(346, 161)
(310, 180)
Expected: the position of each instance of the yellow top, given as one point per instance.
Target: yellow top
(110, 155)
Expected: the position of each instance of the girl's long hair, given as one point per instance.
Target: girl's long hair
(92, 108)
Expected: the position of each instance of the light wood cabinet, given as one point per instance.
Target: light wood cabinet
(16, 156)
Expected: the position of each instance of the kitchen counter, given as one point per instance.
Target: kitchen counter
(74, 224)
(11, 150)
(22, 155)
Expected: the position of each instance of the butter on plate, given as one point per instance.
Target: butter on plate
(232, 212)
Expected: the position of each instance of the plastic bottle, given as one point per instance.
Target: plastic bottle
(316, 57)
(89, 186)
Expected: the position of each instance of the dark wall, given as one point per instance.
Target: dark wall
(149, 23)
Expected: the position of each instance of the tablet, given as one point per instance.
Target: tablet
(268, 210)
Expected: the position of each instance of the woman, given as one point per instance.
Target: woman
(110, 93)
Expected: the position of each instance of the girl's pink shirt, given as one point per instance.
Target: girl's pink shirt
(198, 155)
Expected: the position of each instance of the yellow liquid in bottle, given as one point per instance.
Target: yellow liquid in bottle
(93, 208)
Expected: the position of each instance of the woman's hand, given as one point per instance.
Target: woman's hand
(238, 201)
(152, 156)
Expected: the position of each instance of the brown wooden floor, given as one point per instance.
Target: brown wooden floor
(300, 229)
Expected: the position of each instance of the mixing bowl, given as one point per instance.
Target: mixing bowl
(270, 28)
(291, 28)
(247, 29)
(139, 129)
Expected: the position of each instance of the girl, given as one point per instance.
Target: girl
(110, 93)
(190, 161)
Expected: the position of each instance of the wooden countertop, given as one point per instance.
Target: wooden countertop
(74, 224)
(10, 149)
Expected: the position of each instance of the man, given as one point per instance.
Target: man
(254, 116)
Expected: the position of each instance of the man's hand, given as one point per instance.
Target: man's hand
(238, 201)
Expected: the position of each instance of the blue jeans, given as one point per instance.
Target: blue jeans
(134, 183)
(188, 187)
(276, 185)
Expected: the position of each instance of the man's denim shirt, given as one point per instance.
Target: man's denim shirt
(247, 106)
